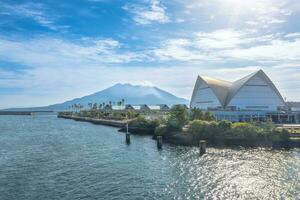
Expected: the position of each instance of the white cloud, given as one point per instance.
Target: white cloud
(277, 50)
(276, 21)
(52, 52)
(261, 14)
(35, 11)
(220, 39)
(153, 12)
(292, 35)
(176, 49)
(226, 45)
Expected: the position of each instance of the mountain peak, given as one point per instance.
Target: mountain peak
(132, 94)
(132, 85)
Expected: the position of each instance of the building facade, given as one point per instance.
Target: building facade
(253, 97)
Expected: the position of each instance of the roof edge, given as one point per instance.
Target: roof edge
(264, 77)
(197, 84)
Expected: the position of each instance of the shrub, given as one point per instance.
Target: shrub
(139, 122)
(161, 130)
(279, 135)
(117, 115)
(225, 125)
(268, 125)
(245, 130)
(174, 125)
(132, 114)
(142, 122)
(203, 129)
(224, 129)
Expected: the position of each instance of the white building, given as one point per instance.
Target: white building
(252, 96)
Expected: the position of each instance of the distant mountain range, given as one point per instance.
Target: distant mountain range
(132, 94)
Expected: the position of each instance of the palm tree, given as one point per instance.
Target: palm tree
(80, 107)
(123, 101)
(90, 105)
(95, 106)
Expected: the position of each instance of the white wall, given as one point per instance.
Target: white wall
(205, 98)
(256, 95)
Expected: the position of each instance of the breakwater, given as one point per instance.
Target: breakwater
(107, 122)
(16, 113)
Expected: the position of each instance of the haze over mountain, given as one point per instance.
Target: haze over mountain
(132, 94)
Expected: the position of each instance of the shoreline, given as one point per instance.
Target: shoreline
(106, 122)
(16, 113)
(186, 139)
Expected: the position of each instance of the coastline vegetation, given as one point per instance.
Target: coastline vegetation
(203, 126)
(195, 124)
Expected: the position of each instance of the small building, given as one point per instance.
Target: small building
(118, 108)
(122, 107)
(154, 107)
(141, 108)
(129, 107)
(164, 107)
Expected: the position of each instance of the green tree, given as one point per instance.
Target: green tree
(95, 106)
(177, 118)
(195, 114)
(208, 116)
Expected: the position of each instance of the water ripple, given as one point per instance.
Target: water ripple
(49, 158)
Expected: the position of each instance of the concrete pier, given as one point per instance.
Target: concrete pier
(159, 142)
(202, 147)
(127, 135)
(127, 138)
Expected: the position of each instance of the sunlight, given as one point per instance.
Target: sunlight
(255, 7)
(237, 9)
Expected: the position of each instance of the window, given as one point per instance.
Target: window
(257, 106)
(204, 102)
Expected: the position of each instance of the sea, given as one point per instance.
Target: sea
(43, 157)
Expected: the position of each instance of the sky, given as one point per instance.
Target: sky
(56, 50)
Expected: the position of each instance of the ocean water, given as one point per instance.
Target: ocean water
(44, 157)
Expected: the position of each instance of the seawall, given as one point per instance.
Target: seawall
(188, 140)
(114, 123)
(15, 113)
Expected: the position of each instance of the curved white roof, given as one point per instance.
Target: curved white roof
(225, 90)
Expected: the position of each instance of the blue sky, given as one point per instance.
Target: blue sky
(55, 50)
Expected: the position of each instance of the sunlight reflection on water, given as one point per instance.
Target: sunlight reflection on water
(49, 158)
